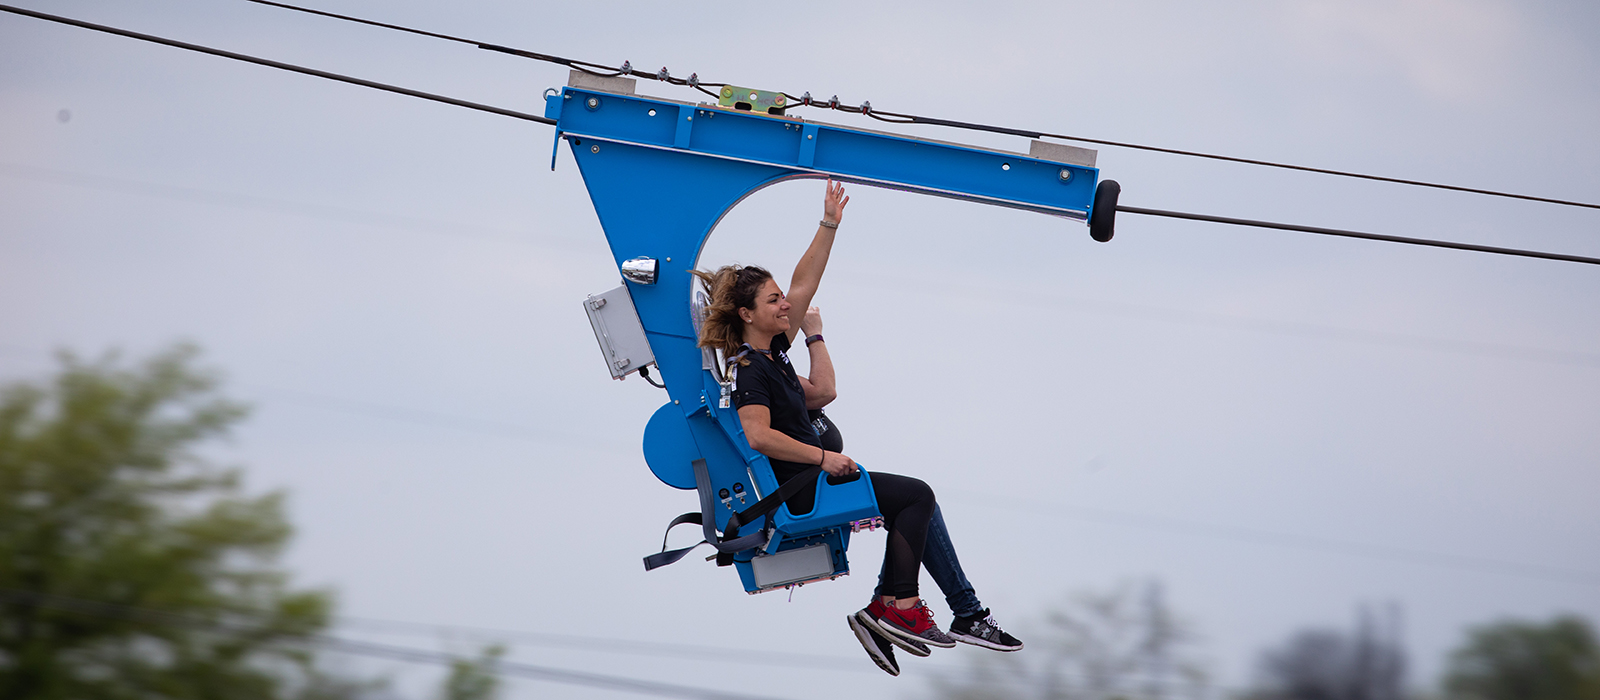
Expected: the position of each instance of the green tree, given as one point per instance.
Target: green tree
(1123, 644)
(1514, 660)
(107, 513)
(471, 679)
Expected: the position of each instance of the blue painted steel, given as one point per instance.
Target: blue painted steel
(661, 174)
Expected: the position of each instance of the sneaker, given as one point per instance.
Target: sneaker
(872, 617)
(914, 624)
(881, 651)
(981, 630)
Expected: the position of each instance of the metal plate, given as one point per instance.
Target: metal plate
(803, 564)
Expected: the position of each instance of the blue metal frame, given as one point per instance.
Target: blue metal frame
(662, 173)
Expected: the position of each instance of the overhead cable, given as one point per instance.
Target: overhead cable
(1358, 234)
(901, 118)
(692, 80)
(279, 65)
(399, 653)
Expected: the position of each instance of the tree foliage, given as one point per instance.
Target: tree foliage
(1368, 664)
(474, 679)
(107, 513)
(1124, 644)
(1559, 660)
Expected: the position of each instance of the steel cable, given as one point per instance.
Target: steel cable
(901, 118)
(1358, 234)
(279, 65)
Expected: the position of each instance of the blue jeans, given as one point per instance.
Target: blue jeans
(939, 559)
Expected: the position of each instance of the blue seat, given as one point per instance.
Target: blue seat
(796, 549)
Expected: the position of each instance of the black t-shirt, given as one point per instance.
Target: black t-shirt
(772, 382)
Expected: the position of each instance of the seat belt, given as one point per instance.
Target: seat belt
(730, 542)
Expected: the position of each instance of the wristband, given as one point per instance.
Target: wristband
(824, 456)
(813, 339)
(828, 224)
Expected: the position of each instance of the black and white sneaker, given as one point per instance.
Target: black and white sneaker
(981, 630)
(881, 651)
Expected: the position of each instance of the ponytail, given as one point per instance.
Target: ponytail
(731, 287)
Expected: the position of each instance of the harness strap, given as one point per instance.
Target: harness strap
(730, 542)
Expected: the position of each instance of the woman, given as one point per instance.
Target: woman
(749, 320)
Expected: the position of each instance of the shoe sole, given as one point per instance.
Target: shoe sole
(882, 630)
(865, 635)
(903, 634)
(981, 642)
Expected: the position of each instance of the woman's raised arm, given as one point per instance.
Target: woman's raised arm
(808, 272)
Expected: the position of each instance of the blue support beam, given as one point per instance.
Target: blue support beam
(662, 173)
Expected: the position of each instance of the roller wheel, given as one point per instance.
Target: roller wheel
(1103, 219)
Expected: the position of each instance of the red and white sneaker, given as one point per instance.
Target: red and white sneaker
(872, 617)
(914, 624)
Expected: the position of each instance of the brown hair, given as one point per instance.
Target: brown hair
(732, 287)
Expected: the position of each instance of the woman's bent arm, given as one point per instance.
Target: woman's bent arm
(757, 422)
(819, 387)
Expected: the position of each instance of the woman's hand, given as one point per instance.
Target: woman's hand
(811, 323)
(837, 464)
(833, 202)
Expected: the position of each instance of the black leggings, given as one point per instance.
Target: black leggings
(907, 506)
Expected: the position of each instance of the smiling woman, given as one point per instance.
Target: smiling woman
(750, 320)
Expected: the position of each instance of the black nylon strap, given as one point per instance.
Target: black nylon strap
(730, 542)
(725, 546)
(772, 501)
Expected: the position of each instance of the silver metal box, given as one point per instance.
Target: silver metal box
(803, 564)
(617, 328)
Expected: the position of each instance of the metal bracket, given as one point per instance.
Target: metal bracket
(750, 99)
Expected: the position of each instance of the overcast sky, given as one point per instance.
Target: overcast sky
(1280, 427)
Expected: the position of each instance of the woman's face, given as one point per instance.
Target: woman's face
(770, 316)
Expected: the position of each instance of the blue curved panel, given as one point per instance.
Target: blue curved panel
(669, 448)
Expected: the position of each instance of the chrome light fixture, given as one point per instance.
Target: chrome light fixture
(640, 270)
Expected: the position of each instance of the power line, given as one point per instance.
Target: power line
(1088, 513)
(279, 65)
(900, 118)
(1294, 541)
(387, 651)
(1357, 234)
(119, 611)
(865, 109)
(197, 195)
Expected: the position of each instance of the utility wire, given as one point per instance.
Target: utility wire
(900, 118)
(349, 646)
(279, 65)
(1357, 234)
(1119, 518)
(1294, 541)
(865, 109)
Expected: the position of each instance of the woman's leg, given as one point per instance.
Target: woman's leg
(939, 560)
(907, 505)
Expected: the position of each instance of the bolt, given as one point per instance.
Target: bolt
(594, 102)
(595, 148)
(810, 136)
(674, 402)
(778, 99)
(727, 91)
(1066, 174)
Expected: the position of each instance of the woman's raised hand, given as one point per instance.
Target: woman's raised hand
(837, 464)
(811, 323)
(833, 202)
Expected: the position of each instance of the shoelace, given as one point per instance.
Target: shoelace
(992, 624)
